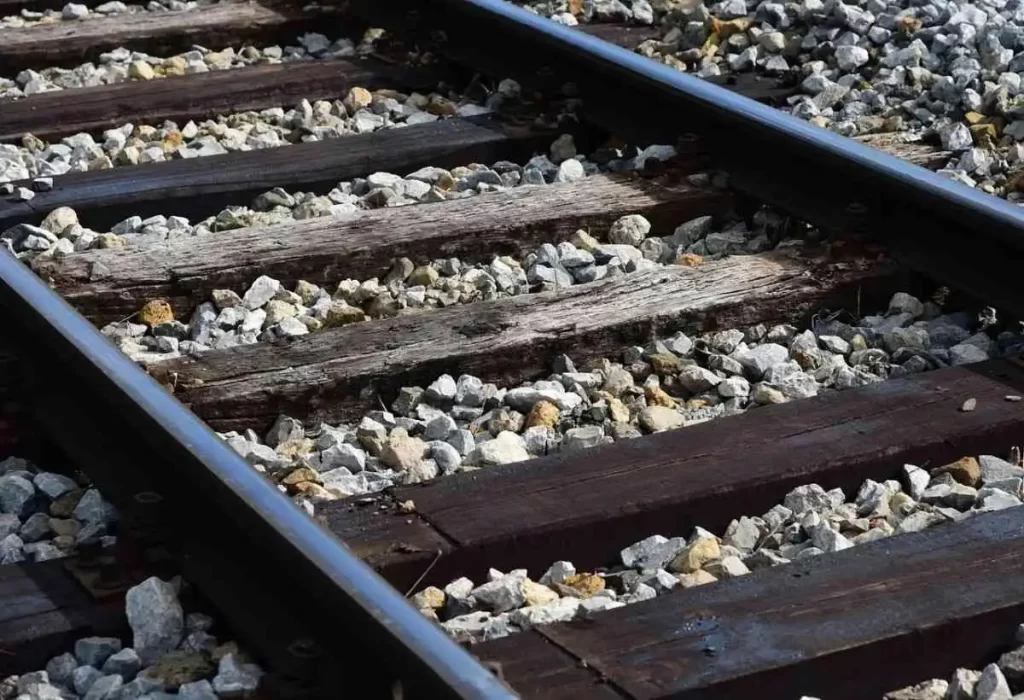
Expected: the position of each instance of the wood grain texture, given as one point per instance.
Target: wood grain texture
(52, 115)
(336, 374)
(213, 26)
(849, 625)
(200, 187)
(364, 245)
(587, 506)
(45, 610)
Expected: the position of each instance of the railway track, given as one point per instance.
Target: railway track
(348, 363)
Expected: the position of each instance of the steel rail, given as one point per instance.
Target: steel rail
(352, 601)
(819, 176)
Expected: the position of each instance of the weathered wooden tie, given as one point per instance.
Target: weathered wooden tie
(846, 626)
(363, 245)
(339, 373)
(52, 115)
(199, 187)
(586, 506)
(214, 26)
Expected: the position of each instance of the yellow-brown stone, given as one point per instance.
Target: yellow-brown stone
(109, 240)
(155, 312)
(537, 593)
(656, 396)
(664, 363)
(690, 260)
(430, 598)
(617, 410)
(697, 578)
(175, 668)
(356, 99)
(580, 585)
(543, 413)
(965, 470)
(299, 475)
(341, 314)
(908, 24)
(696, 556)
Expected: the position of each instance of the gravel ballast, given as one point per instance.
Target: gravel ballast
(1003, 679)
(45, 515)
(121, 64)
(76, 11)
(359, 112)
(172, 654)
(944, 73)
(809, 522)
(268, 311)
(461, 423)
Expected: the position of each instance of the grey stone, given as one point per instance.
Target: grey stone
(902, 302)
(956, 137)
(343, 455)
(477, 627)
(446, 457)
(93, 509)
(934, 689)
(583, 437)
(156, 618)
(954, 495)
(920, 520)
(284, 429)
(1012, 665)
(995, 499)
(17, 495)
(104, 688)
(125, 663)
(761, 358)
(504, 594)
(142, 687)
(807, 497)
(966, 353)
(507, 447)
(561, 610)
(9, 524)
(53, 485)
(629, 230)
(442, 391)
(727, 567)
(35, 528)
(260, 292)
(915, 480)
(11, 550)
(558, 573)
(469, 391)
(696, 379)
(462, 440)
(654, 552)
(996, 469)
(83, 678)
(199, 690)
(851, 57)
(992, 685)
(743, 534)
(236, 678)
(60, 669)
(828, 540)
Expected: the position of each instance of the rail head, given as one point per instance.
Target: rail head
(352, 600)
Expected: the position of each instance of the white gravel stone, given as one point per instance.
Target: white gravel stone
(629, 230)
(156, 618)
(235, 678)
